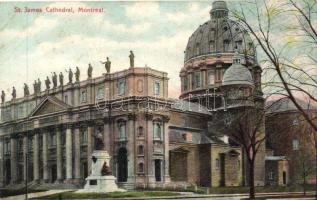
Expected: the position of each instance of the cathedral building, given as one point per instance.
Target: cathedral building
(153, 141)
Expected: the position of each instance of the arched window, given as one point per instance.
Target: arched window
(141, 167)
(140, 131)
(140, 150)
(211, 46)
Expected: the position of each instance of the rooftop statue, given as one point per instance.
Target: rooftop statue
(47, 83)
(61, 79)
(77, 74)
(39, 85)
(70, 75)
(14, 93)
(54, 78)
(89, 70)
(107, 64)
(26, 90)
(131, 56)
(3, 96)
(35, 87)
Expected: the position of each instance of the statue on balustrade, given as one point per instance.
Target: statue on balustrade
(107, 64)
(39, 85)
(131, 56)
(35, 87)
(77, 74)
(54, 79)
(61, 79)
(26, 90)
(89, 71)
(14, 93)
(47, 83)
(3, 96)
(70, 76)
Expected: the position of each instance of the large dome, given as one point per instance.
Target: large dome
(219, 35)
(237, 74)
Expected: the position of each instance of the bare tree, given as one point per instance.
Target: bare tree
(286, 32)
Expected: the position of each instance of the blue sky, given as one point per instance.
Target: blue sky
(157, 32)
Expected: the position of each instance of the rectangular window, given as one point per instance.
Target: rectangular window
(66, 99)
(197, 80)
(30, 144)
(271, 176)
(157, 131)
(211, 77)
(84, 136)
(20, 145)
(157, 88)
(83, 96)
(100, 93)
(7, 148)
(122, 131)
(121, 87)
(53, 139)
(295, 145)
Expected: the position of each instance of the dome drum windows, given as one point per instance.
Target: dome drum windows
(211, 46)
(196, 80)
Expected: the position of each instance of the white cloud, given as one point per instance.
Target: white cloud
(199, 14)
(40, 24)
(142, 10)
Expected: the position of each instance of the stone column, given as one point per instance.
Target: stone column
(59, 152)
(149, 161)
(167, 178)
(90, 132)
(13, 160)
(45, 156)
(25, 154)
(131, 147)
(77, 153)
(1, 163)
(69, 154)
(36, 165)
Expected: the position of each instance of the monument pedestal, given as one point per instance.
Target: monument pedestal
(97, 182)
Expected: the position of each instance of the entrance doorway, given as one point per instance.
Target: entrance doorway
(54, 173)
(158, 174)
(8, 171)
(284, 177)
(122, 165)
(222, 170)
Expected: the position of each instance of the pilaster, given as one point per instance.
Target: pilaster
(36, 166)
(45, 156)
(69, 154)
(59, 159)
(13, 160)
(77, 153)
